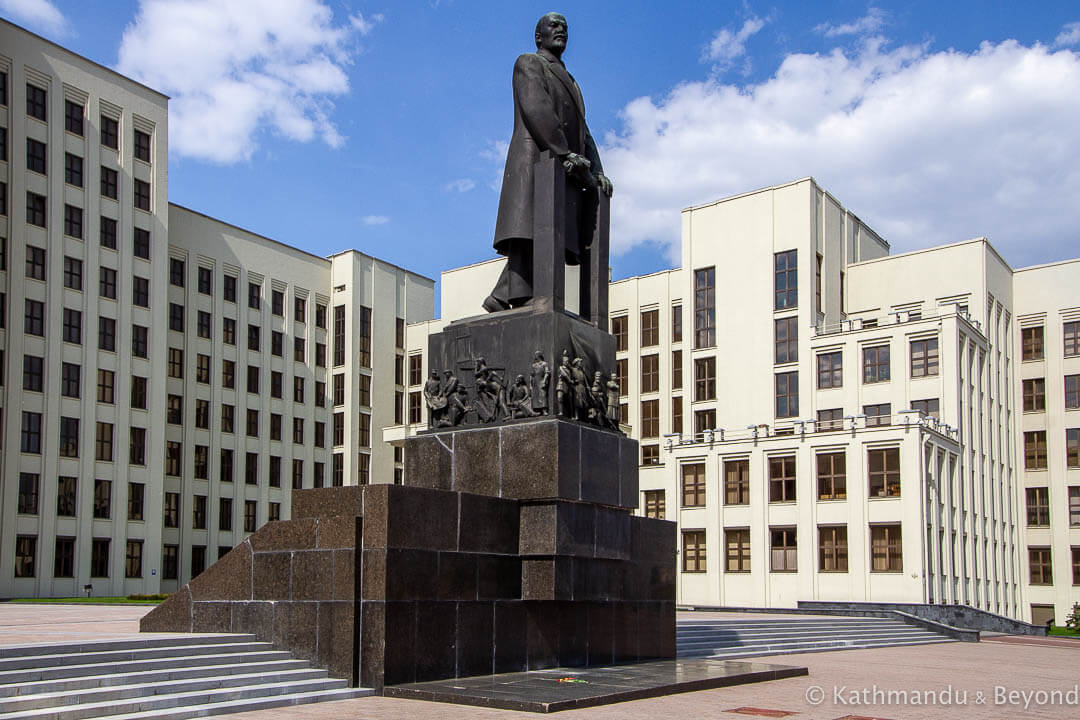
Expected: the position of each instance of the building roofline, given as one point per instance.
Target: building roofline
(981, 239)
(472, 265)
(646, 275)
(1047, 265)
(248, 232)
(380, 260)
(85, 59)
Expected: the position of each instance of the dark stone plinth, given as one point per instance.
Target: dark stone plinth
(547, 690)
(538, 459)
(507, 341)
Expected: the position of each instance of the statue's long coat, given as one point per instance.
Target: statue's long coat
(549, 114)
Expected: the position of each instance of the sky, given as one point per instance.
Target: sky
(382, 126)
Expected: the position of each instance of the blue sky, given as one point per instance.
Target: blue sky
(381, 126)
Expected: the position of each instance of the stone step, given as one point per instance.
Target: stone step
(738, 653)
(127, 655)
(743, 632)
(723, 641)
(236, 706)
(162, 640)
(150, 664)
(165, 675)
(785, 623)
(59, 698)
(141, 706)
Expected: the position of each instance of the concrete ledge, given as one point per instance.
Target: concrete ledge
(957, 616)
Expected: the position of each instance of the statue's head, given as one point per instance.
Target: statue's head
(435, 374)
(577, 362)
(597, 375)
(447, 373)
(538, 355)
(520, 380)
(551, 33)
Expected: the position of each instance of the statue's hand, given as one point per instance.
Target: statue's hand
(574, 163)
(604, 184)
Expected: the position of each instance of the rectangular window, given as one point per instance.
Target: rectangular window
(35, 262)
(786, 340)
(137, 446)
(174, 458)
(28, 493)
(676, 415)
(650, 373)
(33, 373)
(832, 476)
(786, 284)
(70, 380)
(225, 469)
(73, 117)
(136, 494)
(878, 415)
(103, 442)
(363, 338)
(228, 374)
(251, 517)
(142, 146)
(1072, 448)
(170, 562)
(622, 373)
(277, 303)
(1035, 450)
(364, 430)
(1039, 566)
(25, 555)
(36, 102)
(737, 548)
(884, 472)
(650, 418)
(650, 328)
(876, 364)
(205, 281)
(676, 323)
(832, 548)
(1031, 340)
(202, 462)
(705, 307)
(110, 132)
(1072, 392)
(339, 335)
(35, 209)
(176, 317)
(253, 380)
(274, 473)
(785, 551)
(1075, 565)
(107, 233)
(255, 339)
(299, 307)
(320, 316)
(703, 420)
(654, 504)
(254, 295)
(886, 548)
(676, 369)
(1070, 332)
(73, 221)
(704, 378)
(251, 468)
(69, 437)
(227, 416)
(99, 558)
(141, 243)
(831, 419)
(109, 179)
(298, 350)
(415, 411)
(252, 423)
(787, 394)
(1034, 395)
(228, 331)
(107, 283)
(924, 358)
(1038, 506)
(138, 393)
(73, 171)
(275, 426)
(693, 551)
(225, 514)
(1074, 506)
(176, 363)
(620, 329)
(830, 369)
(298, 389)
(198, 512)
(927, 408)
(103, 500)
(650, 454)
(198, 560)
(339, 429)
(107, 334)
(737, 482)
(140, 292)
(142, 195)
(202, 325)
(782, 479)
(66, 488)
(416, 372)
(36, 156)
(202, 414)
(64, 557)
(693, 485)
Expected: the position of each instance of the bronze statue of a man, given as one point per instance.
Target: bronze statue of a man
(549, 114)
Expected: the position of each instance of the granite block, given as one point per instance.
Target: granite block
(666, 629)
(436, 632)
(211, 617)
(227, 579)
(625, 631)
(545, 460)
(345, 585)
(542, 634)
(653, 544)
(547, 578)
(374, 527)
(284, 535)
(595, 579)
(419, 518)
(401, 645)
(313, 575)
(498, 577)
(538, 529)
(600, 467)
(336, 637)
(572, 622)
(429, 460)
(457, 576)
(477, 461)
(254, 617)
(342, 532)
(612, 534)
(372, 644)
(510, 632)
(575, 529)
(373, 575)
(173, 615)
(650, 623)
(328, 502)
(411, 574)
(295, 628)
(475, 641)
(601, 634)
(488, 525)
(628, 472)
(272, 576)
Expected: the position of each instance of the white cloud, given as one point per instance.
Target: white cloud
(461, 185)
(37, 14)
(871, 22)
(235, 69)
(495, 155)
(1069, 35)
(927, 147)
(727, 46)
(375, 219)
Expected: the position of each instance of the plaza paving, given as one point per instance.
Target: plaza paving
(1007, 671)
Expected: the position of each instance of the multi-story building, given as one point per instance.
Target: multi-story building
(825, 421)
(172, 377)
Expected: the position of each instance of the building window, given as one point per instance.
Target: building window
(251, 516)
(705, 378)
(176, 363)
(142, 146)
(110, 132)
(70, 380)
(141, 243)
(254, 295)
(1034, 395)
(1035, 450)
(1072, 448)
(878, 415)
(830, 369)
(786, 340)
(832, 548)
(253, 381)
(35, 262)
(676, 323)
(73, 221)
(785, 551)
(703, 420)
(1031, 339)
(107, 233)
(198, 512)
(66, 488)
(782, 479)
(202, 462)
(886, 548)
(255, 340)
(73, 117)
(693, 551)
(107, 283)
(737, 547)
(364, 430)
(274, 471)
(176, 317)
(693, 485)
(297, 474)
(202, 368)
(202, 414)
(99, 558)
(225, 469)
(339, 390)
(1038, 506)
(228, 331)
(298, 350)
(251, 468)
(676, 415)
(363, 338)
(103, 500)
(414, 407)
(924, 358)
(1076, 565)
(676, 369)
(650, 328)
(298, 389)
(622, 373)
(174, 453)
(137, 446)
(832, 476)
(33, 373)
(650, 373)
(25, 555)
(35, 209)
(786, 283)
(619, 328)
(228, 374)
(107, 334)
(1070, 332)
(737, 482)
(227, 417)
(252, 423)
(36, 156)
(832, 419)
(650, 418)
(787, 394)
(28, 493)
(198, 560)
(136, 493)
(72, 326)
(884, 472)
(1040, 571)
(876, 364)
(30, 439)
(705, 308)
(170, 562)
(277, 303)
(650, 454)
(1072, 392)
(36, 102)
(109, 183)
(142, 195)
(64, 557)
(339, 335)
(103, 443)
(416, 372)
(69, 437)
(927, 408)
(654, 504)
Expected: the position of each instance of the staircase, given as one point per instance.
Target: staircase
(790, 634)
(164, 678)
